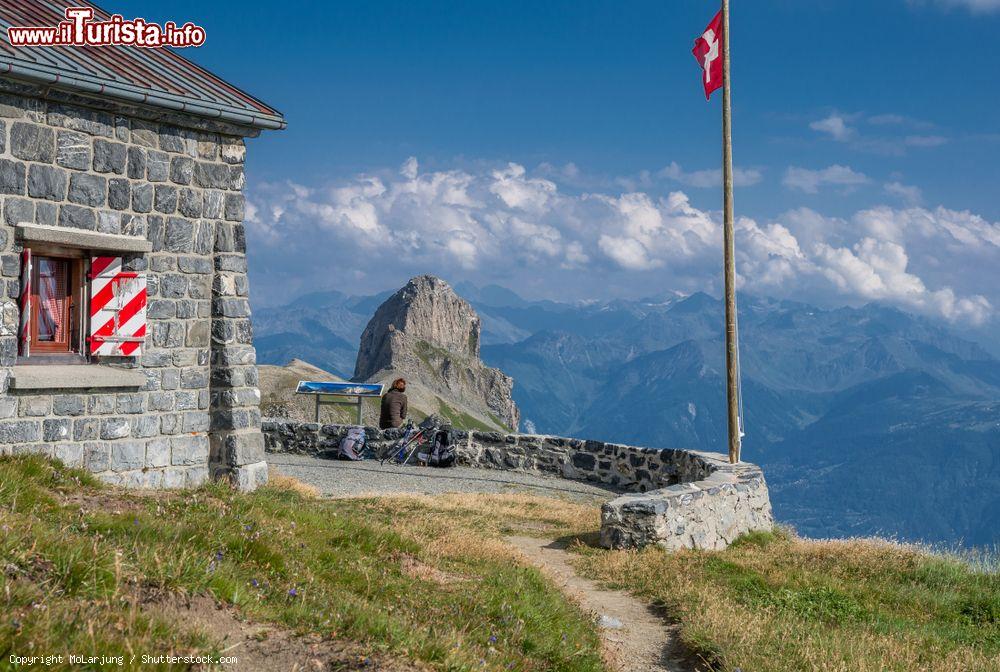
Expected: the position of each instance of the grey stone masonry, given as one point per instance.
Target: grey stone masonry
(237, 442)
(95, 166)
(675, 498)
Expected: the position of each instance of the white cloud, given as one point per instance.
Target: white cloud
(950, 230)
(629, 253)
(913, 258)
(889, 141)
(410, 168)
(891, 119)
(878, 270)
(517, 191)
(810, 181)
(887, 120)
(975, 6)
(575, 256)
(703, 179)
(770, 255)
(909, 194)
(642, 234)
(836, 127)
(509, 226)
(925, 140)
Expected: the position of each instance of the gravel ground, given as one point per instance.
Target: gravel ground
(337, 478)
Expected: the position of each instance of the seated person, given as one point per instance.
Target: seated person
(393, 406)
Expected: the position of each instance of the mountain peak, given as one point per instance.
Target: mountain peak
(695, 303)
(425, 310)
(430, 335)
(490, 295)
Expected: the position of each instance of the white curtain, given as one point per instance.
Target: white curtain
(50, 301)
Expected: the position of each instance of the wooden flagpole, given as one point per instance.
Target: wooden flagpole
(732, 359)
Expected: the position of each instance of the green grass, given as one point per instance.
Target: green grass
(460, 420)
(77, 561)
(430, 580)
(774, 603)
(431, 355)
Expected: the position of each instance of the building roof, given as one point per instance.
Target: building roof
(159, 77)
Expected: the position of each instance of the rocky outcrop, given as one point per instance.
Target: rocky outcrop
(429, 335)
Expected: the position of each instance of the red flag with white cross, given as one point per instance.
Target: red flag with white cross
(708, 52)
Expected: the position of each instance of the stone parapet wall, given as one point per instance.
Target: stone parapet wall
(172, 184)
(673, 498)
(709, 513)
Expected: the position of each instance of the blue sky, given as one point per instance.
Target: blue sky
(865, 131)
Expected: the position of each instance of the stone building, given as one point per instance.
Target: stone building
(125, 337)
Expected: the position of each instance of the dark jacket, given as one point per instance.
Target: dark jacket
(393, 409)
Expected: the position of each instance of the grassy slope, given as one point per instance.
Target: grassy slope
(429, 579)
(775, 603)
(461, 420)
(79, 561)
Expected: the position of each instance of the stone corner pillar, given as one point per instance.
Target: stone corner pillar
(236, 441)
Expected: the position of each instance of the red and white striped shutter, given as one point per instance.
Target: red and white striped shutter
(117, 308)
(24, 330)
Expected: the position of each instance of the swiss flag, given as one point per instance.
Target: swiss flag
(708, 52)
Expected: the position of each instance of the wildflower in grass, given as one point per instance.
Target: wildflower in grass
(292, 592)
(218, 556)
(493, 639)
(253, 582)
(135, 521)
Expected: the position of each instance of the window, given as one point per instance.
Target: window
(55, 306)
(74, 305)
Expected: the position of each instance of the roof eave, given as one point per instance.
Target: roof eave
(133, 94)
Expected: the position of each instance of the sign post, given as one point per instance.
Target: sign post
(335, 394)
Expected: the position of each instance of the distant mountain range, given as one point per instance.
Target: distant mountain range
(866, 420)
(322, 328)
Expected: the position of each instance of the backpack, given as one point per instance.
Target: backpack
(352, 445)
(441, 452)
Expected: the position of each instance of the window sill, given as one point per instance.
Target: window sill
(82, 238)
(50, 359)
(73, 376)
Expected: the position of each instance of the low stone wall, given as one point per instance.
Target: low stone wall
(673, 498)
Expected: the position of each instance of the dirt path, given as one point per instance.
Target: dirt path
(255, 647)
(638, 639)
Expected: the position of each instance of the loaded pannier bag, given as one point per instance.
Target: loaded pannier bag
(352, 446)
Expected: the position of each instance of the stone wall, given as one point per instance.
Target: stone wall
(169, 186)
(673, 498)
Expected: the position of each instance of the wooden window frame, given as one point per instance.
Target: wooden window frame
(74, 347)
